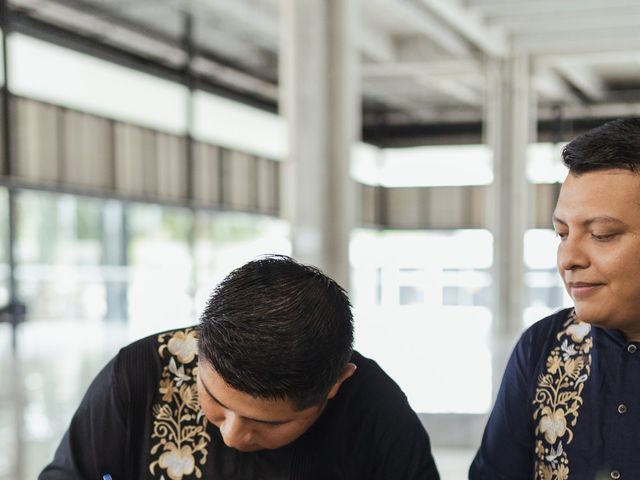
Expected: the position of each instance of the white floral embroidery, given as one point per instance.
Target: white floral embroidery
(554, 454)
(568, 350)
(179, 424)
(558, 398)
(578, 331)
(179, 375)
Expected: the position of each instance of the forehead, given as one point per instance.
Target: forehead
(614, 193)
(241, 402)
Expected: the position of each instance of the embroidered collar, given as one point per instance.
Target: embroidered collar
(179, 435)
(558, 398)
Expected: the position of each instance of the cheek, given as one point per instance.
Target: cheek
(620, 268)
(276, 438)
(627, 274)
(213, 411)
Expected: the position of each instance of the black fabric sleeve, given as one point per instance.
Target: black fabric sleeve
(394, 444)
(403, 449)
(507, 448)
(94, 444)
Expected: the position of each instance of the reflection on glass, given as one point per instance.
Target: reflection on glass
(8, 415)
(61, 277)
(413, 294)
(8, 426)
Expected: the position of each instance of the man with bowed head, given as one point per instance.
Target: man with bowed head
(266, 387)
(569, 403)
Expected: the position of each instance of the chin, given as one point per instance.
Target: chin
(587, 316)
(253, 448)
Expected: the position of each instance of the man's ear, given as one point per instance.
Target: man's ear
(347, 372)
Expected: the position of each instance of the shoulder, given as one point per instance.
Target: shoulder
(144, 359)
(551, 323)
(371, 389)
(377, 405)
(542, 333)
(535, 343)
(181, 342)
(370, 374)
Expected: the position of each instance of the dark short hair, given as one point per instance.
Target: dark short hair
(616, 144)
(275, 328)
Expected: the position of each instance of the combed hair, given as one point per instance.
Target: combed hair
(616, 144)
(277, 329)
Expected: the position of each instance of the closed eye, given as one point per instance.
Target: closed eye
(603, 238)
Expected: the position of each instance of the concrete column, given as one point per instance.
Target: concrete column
(320, 99)
(509, 127)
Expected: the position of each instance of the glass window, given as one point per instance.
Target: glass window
(546, 291)
(58, 252)
(544, 163)
(8, 414)
(413, 293)
(226, 123)
(445, 165)
(1, 61)
(92, 85)
(227, 240)
(160, 268)
(64, 342)
(10, 418)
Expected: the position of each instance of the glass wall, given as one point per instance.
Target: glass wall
(413, 293)
(64, 342)
(89, 84)
(95, 275)
(546, 292)
(9, 418)
(160, 268)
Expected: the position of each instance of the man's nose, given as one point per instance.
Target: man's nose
(235, 431)
(571, 254)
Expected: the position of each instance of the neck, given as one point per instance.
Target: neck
(631, 335)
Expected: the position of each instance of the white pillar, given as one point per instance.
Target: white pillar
(320, 99)
(510, 126)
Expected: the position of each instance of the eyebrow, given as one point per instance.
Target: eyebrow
(600, 219)
(268, 422)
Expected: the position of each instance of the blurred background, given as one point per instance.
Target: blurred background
(409, 148)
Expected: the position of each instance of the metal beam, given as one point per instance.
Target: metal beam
(84, 43)
(579, 119)
(457, 90)
(550, 21)
(552, 86)
(376, 45)
(500, 8)
(631, 57)
(418, 20)
(252, 20)
(572, 42)
(490, 40)
(584, 80)
(444, 68)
